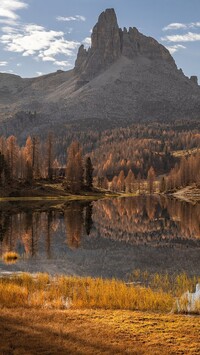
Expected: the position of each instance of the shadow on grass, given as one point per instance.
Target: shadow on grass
(20, 335)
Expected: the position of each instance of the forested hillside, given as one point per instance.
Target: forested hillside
(119, 159)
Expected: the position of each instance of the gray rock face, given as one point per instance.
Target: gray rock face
(105, 48)
(134, 43)
(109, 42)
(194, 79)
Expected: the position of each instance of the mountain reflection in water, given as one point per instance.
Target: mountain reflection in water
(106, 238)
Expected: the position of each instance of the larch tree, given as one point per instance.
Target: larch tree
(162, 185)
(29, 158)
(105, 183)
(12, 155)
(4, 171)
(113, 185)
(121, 181)
(74, 168)
(129, 182)
(35, 157)
(151, 178)
(50, 155)
(139, 182)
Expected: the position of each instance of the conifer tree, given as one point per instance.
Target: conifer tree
(50, 158)
(74, 168)
(12, 153)
(139, 182)
(151, 178)
(162, 185)
(89, 173)
(121, 181)
(29, 159)
(129, 182)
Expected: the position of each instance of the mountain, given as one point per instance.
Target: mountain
(123, 78)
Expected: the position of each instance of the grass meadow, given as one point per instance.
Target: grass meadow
(40, 314)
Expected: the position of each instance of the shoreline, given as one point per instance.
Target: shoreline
(46, 191)
(56, 198)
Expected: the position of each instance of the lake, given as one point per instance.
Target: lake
(105, 238)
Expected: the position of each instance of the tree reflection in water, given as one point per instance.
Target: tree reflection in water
(73, 216)
(42, 230)
(77, 215)
(154, 220)
(4, 224)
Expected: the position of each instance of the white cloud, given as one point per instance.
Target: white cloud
(195, 24)
(3, 64)
(62, 63)
(87, 42)
(39, 73)
(175, 48)
(8, 10)
(8, 29)
(71, 18)
(175, 26)
(46, 58)
(187, 37)
(181, 26)
(10, 71)
(37, 41)
(40, 43)
(7, 22)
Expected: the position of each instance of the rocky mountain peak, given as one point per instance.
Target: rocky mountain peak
(105, 36)
(105, 46)
(134, 44)
(124, 77)
(109, 42)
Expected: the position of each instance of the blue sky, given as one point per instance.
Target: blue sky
(42, 36)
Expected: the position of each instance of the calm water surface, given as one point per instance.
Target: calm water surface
(108, 238)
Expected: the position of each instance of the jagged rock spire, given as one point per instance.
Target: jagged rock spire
(109, 42)
(105, 46)
(105, 36)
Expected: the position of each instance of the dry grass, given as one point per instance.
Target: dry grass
(174, 284)
(100, 319)
(72, 292)
(95, 332)
(162, 293)
(10, 257)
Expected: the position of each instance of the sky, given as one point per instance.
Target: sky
(41, 36)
